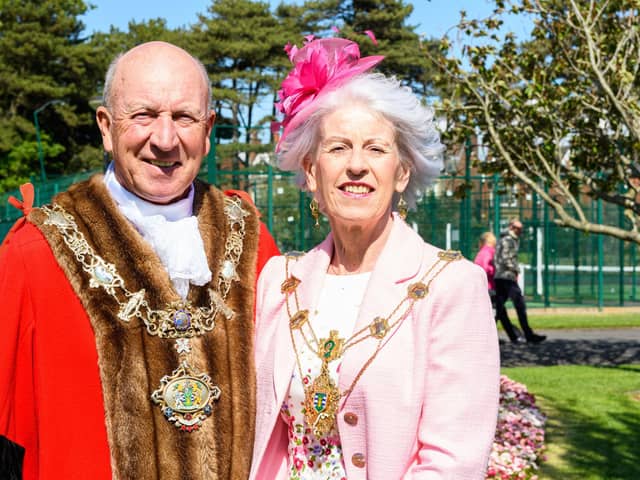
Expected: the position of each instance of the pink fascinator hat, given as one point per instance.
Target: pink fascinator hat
(319, 67)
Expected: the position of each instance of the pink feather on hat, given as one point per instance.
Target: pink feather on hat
(319, 67)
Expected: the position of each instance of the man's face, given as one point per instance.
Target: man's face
(158, 125)
(516, 228)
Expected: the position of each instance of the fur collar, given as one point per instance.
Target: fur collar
(143, 444)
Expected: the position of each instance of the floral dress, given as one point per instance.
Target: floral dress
(312, 457)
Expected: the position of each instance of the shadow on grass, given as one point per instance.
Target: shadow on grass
(570, 352)
(600, 442)
(594, 447)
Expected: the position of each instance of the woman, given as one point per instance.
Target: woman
(484, 258)
(376, 353)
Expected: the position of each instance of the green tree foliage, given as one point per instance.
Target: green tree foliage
(109, 44)
(397, 40)
(238, 41)
(43, 57)
(17, 166)
(559, 110)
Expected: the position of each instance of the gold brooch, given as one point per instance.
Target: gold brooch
(450, 255)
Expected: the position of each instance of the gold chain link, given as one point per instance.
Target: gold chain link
(161, 323)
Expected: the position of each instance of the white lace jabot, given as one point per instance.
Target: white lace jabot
(172, 231)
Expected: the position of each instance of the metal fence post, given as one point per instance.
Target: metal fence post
(576, 268)
(212, 164)
(600, 258)
(535, 223)
(633, 272)
(545, 211)
(465, 218)
(496, 205)
(270, 197)
(621, 258)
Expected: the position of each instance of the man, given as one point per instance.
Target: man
(506, 276)
(126, 335)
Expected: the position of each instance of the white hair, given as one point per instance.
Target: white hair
(416, 136)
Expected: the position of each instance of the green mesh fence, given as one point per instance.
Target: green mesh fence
(560, 266)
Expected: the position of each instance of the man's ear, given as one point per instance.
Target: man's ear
(104, 120)
(211, 118)
(310, 173)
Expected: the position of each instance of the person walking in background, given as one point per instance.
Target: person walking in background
(376, 353)
(484, 258)
(507, 270)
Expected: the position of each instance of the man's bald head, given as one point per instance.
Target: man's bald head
(147, 52)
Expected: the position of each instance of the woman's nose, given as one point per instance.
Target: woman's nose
(357, 163)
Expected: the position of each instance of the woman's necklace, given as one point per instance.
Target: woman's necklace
(322, 396)
(186, 396)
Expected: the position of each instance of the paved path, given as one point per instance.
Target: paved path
(604, 347)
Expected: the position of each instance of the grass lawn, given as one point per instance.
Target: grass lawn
(593, 426)
(580, 320)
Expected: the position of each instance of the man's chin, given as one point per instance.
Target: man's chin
(163, 197)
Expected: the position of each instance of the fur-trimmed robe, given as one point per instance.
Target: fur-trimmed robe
(142, 443)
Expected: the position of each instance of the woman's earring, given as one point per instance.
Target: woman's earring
(402, 207)
(315, 211)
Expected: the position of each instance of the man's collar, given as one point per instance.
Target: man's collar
(123, 197)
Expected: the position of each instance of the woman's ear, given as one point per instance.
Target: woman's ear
(310, 173)
(402, 178)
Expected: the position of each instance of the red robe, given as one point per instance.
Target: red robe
(51, 399)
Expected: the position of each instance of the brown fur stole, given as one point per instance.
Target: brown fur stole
(143, 444)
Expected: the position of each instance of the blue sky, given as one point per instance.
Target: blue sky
(433, 18)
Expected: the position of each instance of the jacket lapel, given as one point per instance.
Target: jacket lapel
(310, 269)
(398, 264)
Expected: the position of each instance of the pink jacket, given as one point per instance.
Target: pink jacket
(484, 258)
(426, 407)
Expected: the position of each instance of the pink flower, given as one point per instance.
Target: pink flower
(314, 68)
(519, 440)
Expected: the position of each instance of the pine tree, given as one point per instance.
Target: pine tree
(397, 40)
(237, 41)
(42, 58)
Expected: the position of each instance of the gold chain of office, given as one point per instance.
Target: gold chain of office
(185, 397)
(178, 319)
(322, 396)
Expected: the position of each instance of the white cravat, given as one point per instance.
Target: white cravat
(172, 231)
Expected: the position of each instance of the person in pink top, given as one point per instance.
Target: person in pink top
(376, 353)
(484, 258)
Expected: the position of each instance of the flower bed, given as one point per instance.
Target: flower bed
(519, 440)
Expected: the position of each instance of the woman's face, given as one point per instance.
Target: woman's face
(356, 168)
